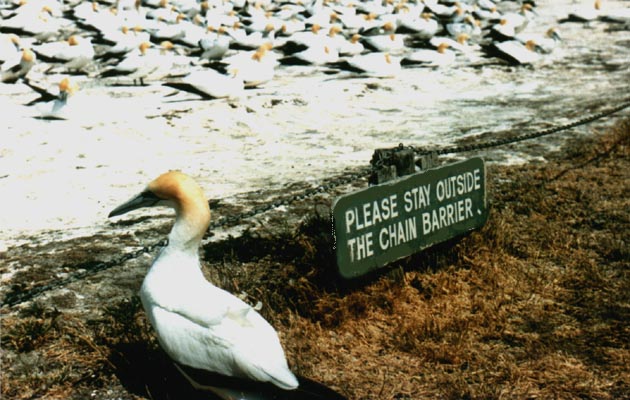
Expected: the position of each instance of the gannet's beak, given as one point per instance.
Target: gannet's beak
(144, 199)
(556, 35)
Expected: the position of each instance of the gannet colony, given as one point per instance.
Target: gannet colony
(220, 48)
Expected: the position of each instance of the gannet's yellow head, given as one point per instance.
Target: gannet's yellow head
(27, 56)
(462, 38)
(13, 38)
(442, 47)
(176, 190)
(389, 27)
(73, 40)
(355, 38)
(334, 30)
(65, 86)
(144, 46)
(531, 45)
(261, 51)
(554, 34)
(370, 17)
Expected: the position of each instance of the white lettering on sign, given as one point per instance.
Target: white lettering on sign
(398, 233)
(446, 215)
(417, 198)
(361, 247)
(458, 185)
(372, 213)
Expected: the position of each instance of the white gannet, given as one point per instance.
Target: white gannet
(40, 21)
(545, 43)
(318, 54)
(214, 45)
(392, 43)
(138, 64)
(12, 70)
(381, 65)
(516, 52)
(53, 104)
(76, 52)
(585, 14)
(253, 67)
(422, 27)
(430, 58)
(210, 84)
(199, 325)
(9, 47)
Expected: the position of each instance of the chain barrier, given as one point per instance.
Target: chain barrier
(504, 141)
(16, 296)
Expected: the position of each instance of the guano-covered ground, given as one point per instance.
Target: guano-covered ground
(536, 304)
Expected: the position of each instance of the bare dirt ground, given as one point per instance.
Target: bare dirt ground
(534, 305)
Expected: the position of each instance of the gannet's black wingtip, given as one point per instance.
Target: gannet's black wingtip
(231, 388)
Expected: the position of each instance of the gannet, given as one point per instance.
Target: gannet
(347, 47)
(37, 20)
(381, 65)
(392, 43)
(253, 67)
(9, 47)
(199, 325)
(318, 54)
(214, 45)
(123, 41)
(137, 65)
(209, 83)
(516, 52)
(76, 52)
(545, 43)
(12, 70)
(586, 14)
(431, 58)
(423, 27)
(487, 13)
(52, 104)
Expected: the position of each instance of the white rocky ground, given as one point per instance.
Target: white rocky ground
(59, 179)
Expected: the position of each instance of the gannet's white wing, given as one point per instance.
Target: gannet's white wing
(219, 332)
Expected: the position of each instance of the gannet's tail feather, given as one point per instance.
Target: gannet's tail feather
(230, 388)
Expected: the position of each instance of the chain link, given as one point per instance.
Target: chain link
(16, 297)
(504, 141)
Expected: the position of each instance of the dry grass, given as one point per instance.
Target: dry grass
(534, 305)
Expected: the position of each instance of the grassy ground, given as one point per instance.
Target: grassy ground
(534, 305)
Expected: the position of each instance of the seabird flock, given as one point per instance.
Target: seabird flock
(219, 48)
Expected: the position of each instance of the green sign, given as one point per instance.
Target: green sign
(383, 223)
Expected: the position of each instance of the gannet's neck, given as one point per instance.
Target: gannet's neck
(191, 222)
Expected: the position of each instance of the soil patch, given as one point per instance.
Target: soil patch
(534, 305)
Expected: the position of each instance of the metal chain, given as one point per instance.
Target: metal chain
(15, 297)
(328, 184)
(501, 142)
